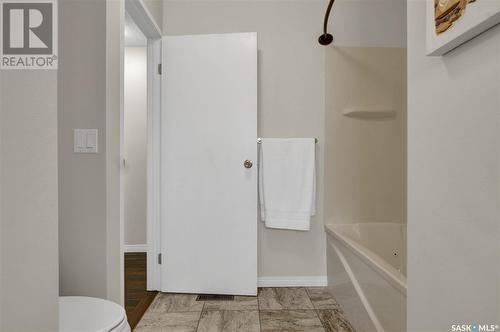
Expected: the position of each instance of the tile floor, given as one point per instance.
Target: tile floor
(274, 309)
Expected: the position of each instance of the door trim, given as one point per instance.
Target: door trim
(153, 166)
(144, 20)
(135, 248)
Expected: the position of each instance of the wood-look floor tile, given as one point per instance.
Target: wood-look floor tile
(168, 322)
(239, 303)
(334, 321)
(167, 302)
(322, 298)
(282, 309)
(229, 321)
(283, 298)
(290, 320)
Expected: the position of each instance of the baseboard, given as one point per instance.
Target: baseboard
(311, 281)
(282, 281)
(135, 248)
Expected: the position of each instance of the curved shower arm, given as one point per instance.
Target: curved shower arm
(326, 38)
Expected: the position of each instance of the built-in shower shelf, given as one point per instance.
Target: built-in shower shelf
(369, 113)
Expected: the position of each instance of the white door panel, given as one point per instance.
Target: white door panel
(209, 128)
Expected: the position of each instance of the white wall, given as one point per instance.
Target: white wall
(115, 12)
(28, 191)
(82, 177)
(135, 171)
(89, 89)
(368, 23)
(291, 100)
(453, 180)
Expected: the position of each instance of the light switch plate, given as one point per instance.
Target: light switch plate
(85, 140)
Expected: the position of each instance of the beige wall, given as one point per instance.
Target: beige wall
(115, 12)
(365, 169)
(291, 100)
(28, 191)
(82, 177)
(368, 23)
(89, 97)
(453, 180)
(135, 171)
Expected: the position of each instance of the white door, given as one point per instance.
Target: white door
(208, 197)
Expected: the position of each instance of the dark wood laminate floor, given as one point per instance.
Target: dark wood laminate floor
(137, 298)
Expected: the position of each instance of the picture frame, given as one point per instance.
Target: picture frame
(478, 17)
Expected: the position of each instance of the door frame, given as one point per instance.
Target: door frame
(146, 23)
(153, 165)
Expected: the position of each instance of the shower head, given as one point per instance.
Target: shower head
(326, 38)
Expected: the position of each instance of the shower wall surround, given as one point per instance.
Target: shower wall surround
(365, 154)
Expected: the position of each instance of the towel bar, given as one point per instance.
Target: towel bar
(259, 140)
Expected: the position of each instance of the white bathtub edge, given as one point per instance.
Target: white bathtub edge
(377, 264)
(359, 290)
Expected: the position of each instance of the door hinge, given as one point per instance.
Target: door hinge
(159, 69)
(159, 258)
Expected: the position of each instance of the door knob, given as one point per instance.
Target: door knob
(248, 163)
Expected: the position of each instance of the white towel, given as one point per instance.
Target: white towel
(287, 182)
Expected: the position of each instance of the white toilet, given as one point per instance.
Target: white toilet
(89, 314)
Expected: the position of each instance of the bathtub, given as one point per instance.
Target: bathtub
(367, 273)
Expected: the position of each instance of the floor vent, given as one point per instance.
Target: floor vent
(211, 297)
